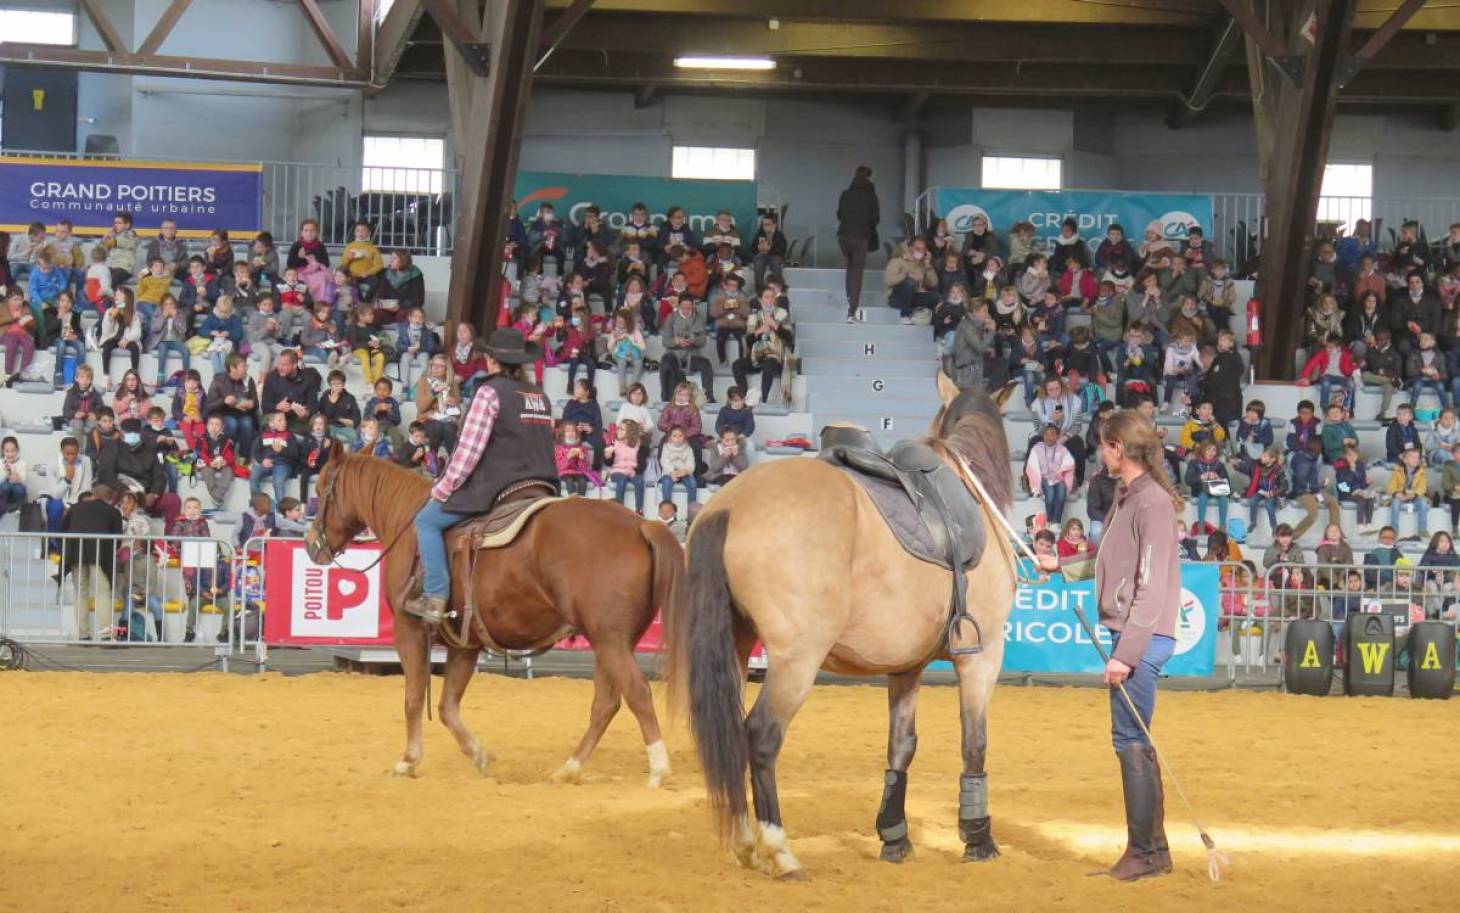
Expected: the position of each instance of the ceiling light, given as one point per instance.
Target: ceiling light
(696, 62)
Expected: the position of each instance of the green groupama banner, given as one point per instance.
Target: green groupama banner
(616, 194)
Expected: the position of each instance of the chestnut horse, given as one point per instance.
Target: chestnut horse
(594, 567)
(794, 553)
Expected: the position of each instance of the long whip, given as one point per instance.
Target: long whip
(1216, 859)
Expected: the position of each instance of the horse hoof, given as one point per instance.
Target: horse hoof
(793, 875)
(571, 772)
(404, 769)
(656, 779)
(980, 852)
(482, 761)
(897, 852)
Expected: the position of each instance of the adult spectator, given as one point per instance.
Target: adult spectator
(547, 237)
(120, 245)
(684, 343)
(169, 248)
(857, 215)
(675, 232)
(1412, 312)
(234, 395)
(73, 477)
(910, 281)
(403, 284)
(767, 248)
(292, 390)
(770, 335)
(1352, 249)
(92, 558)
(595, 231)
(132, 464)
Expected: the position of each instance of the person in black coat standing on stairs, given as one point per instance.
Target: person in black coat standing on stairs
(857, 215)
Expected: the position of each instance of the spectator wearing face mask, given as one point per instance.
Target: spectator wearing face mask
(910, 281)
(132, 464)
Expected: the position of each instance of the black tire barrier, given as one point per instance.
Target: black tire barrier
(1432, 660)
(1369, 650)
(1308, 657)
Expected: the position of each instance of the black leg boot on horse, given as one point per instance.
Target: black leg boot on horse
(1140, 781)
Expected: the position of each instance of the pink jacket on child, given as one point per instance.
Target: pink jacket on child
(624, 459)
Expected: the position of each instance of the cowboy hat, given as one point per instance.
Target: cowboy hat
(508, 346)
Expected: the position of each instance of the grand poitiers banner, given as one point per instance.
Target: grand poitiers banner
(1043, 634)
(1094, 211)
(616, 195)
(200, 197)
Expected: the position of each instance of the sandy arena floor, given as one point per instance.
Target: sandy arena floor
(218, 792)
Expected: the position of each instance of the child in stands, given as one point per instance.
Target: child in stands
(67, 332)
(1304, 428)
(1207, 478)
(1450, 486)
(625, 461)
(264, 336)
(187, 408)
(1135, 364)
(340, 409)
(367, 343)
(1050, 470)
(1407, 485)
(677, 464)
(121, 328)
(263, 258)
(289, 521)
(168, 333)
(416, 453)
(130, 400)
(363, 259)
(1443, 436)
(1219, 295)
(635, 408)
(627, 346)
(1351, 481)
(217, 461)
(98, 284)
(1426, 370)
(120, 245)
(17, 335)
(726, 458)
(152, 286)
(384, 408)
(1332, 368)
(1180, 369)
(24, 251)
(1338, 433)
(257, 521)
(317, 447)
(1072, 542)
(735, 415)
(1269, 484)
(1402, 434)
(102, 433)
(275, 457)
(320, 338)
(83, 401)
(415, 343)
(221, 332)
(319, 285)
(574, 460)
(199, 289)
(371, 441)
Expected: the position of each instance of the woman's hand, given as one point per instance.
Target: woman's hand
(1116, 672)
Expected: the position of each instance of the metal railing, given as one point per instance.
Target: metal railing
(1257, 605)
(122, 590)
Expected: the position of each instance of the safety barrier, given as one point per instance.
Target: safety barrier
(1258, 605)
(77, 588)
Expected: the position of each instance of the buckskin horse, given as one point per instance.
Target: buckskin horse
(796, 553)
(581, 566)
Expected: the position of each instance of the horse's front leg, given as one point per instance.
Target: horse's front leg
(461, 663)
(902, 744)
(410, 646)
(977, 675)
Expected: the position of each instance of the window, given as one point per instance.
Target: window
(38, 27)
(404, 164)
(713, 163)
(1347, 194)
(1010, 172)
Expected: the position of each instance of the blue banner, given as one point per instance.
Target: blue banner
(201, 198)
(1044, 635)
(1095, 211)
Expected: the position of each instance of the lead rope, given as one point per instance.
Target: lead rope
(1216, 859)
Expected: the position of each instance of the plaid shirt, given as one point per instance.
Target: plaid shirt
(476, 431)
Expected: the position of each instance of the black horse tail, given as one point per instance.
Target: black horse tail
(704, 669)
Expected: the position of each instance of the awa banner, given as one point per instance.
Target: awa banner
(1094, 211)
(615, 196)
(200, 197)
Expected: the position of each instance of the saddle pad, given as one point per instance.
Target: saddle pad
(497, 529)
(902, 517)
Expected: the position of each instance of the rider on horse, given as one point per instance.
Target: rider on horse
(506, 440)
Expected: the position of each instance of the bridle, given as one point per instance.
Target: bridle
(316, 543)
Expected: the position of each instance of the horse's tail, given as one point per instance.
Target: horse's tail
(667, 558)
(703, 668)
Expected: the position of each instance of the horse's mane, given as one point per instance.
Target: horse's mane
(973, 426)
(376, 475)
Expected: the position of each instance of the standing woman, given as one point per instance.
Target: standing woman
(1138, 585)
(857, 215)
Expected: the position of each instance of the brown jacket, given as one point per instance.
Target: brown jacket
(1137, 569)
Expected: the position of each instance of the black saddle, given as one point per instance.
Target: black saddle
(923, 501)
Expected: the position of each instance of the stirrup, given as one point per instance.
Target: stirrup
(430, 609)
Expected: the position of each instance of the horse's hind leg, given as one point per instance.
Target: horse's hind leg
(461, 664)
(977, 675)
(635, 688)
(902, 744)
(786, 687)
(605, 706)
(410, 646)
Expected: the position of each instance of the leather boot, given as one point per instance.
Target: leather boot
(1138, 781)
(1158, 833)
(430, 609)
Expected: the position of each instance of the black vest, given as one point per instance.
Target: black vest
(521, 447)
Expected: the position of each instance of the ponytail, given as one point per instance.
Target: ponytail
(1138, 439)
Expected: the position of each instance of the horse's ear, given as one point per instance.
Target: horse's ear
(337, 453)
(947, 390)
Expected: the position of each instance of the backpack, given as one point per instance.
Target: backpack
(32, 517)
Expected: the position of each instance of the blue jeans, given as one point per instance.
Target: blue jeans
(1421, 509)
(1201, 508)
(76, 348)
(12, 495)
(1033, 378)
(1187, 383)
(279, 472)
(666, 488)
(1093, 533)
(1252, 506)
(219, 360)
(1327, 384)
(168, 346)
(241, 429)
(1420, 384)
(907, 297)
(1054, 500)
(1141, 686)
(432, 522)
(621, 484)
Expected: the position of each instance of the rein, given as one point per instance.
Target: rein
(970, 478)
(324, 499)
